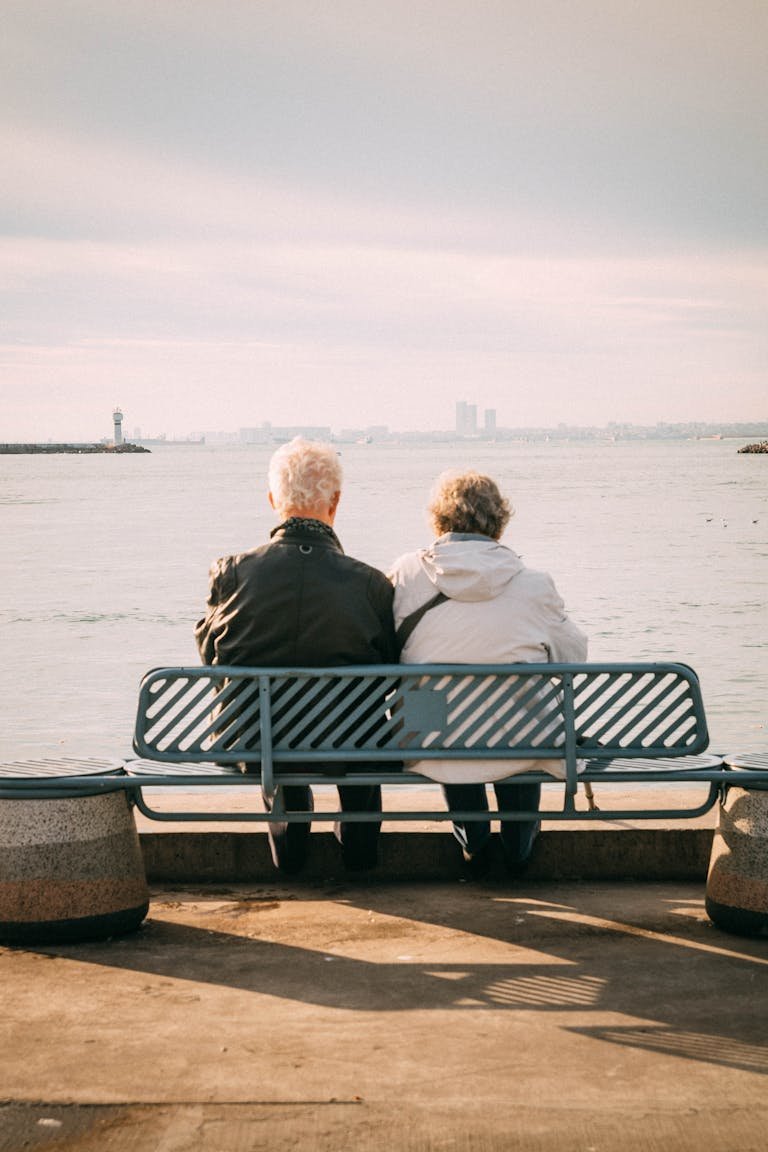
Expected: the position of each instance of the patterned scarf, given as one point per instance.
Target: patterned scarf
(306, 524)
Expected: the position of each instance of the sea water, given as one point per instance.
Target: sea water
(658, 548)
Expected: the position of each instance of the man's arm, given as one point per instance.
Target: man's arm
(222, 584)
(382, 595)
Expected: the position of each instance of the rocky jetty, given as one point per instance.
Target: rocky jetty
(762, 446)
(32, 449)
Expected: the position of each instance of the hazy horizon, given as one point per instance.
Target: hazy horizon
(733, 429)
(220, 213)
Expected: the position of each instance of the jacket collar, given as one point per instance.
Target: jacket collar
(304, 528)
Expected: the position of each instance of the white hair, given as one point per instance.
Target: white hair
(304, 474)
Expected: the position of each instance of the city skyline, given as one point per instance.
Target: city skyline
(338, 212)
(466, 426)
(268, 433)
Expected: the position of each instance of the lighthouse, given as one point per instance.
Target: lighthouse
(117, 418)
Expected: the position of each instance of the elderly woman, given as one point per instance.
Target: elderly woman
(470, 599)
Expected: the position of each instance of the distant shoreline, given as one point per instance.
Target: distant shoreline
(76, 449)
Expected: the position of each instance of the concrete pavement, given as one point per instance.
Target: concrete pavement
(360, 1014)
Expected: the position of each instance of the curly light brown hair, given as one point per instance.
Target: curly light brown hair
(468, 502)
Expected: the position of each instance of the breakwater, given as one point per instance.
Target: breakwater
(762, 447)
(78, 449)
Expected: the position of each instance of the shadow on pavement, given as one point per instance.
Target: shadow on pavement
(645, 953)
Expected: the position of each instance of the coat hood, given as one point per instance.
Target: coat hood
(468, 567)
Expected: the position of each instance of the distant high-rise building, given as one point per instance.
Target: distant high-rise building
(117, 421)
(489, 422)
(466, 418)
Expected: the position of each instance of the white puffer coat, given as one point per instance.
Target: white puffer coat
(498, 612)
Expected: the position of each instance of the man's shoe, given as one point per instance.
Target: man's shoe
(478, 864)
(290, 866)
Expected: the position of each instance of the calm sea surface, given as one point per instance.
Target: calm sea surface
(659, 550)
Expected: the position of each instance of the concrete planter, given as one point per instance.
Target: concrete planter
(70, 868)
(737, 884)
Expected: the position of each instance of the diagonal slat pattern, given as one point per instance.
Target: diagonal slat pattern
(238, 723)
(624, 709)
(643, 710)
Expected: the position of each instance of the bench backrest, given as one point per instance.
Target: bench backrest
(378, 713)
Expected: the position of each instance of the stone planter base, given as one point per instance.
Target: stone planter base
(737, 884)
(71, 869)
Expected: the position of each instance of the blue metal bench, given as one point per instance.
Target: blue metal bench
(629, 723)
(633, 723)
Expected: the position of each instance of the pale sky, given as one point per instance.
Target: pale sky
(345, 212)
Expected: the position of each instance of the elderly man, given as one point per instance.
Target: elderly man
(299, 600)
